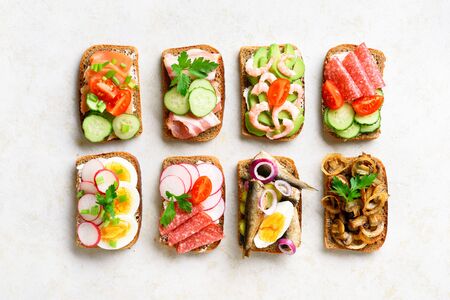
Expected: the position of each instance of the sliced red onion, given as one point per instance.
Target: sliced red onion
(283, 187)
(263, 169)
(287, 246)
(246, 185)
(270, 210)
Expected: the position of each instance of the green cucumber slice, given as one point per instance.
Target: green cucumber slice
(202, 101)
(175, 102)
(379, 92)
(126, 126)
(371, 128)
(341, 118)
(350, 132)
(201, 83)
(96, 128)
(369, 119)
(325, 118)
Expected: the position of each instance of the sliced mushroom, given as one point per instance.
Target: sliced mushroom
(373, 233)
(374, 220)
(341, 177)
(356, 245)
(338, 227)
(355, 223)
(375, 203)
(364, 165)
(331, 204)
(354, 207)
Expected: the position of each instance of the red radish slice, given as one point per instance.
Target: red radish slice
(89, 234)
(104, 179)
(217, 211)
(86, 203)
(90, 169)
(173, 184)
(192, 169)
(181, 172)
(88, 187)
(214, 174)
(212, 200)
(99, 220)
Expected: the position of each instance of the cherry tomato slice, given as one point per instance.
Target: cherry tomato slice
(331, 96)
(120, 103)
(278, 92)
(201, 190)
(367, 105)
(105, 90)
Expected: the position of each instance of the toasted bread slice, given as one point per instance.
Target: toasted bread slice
(242, 172)
(328, 240)
(380, 59)
(174, 160)
(133, 160)
(220, 78)
(134, 72)
(244, 54)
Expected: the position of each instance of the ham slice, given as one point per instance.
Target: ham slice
(188, 228)
(170, 59)
(356, 71)
(180, 217)
(335, 71)
(207, 235)
(187, 126)
(370, 66)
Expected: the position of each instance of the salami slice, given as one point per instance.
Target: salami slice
(207, 235)
(188, 228)
(356, 71)
(370, 66)
(335, 71)
(180, 217)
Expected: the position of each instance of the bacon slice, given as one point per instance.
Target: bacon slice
(187, 126)
(207, 235)
(188, 228)
(335, 71)
(370, 66)
(180, 217)
(170, 59)
(356, 71)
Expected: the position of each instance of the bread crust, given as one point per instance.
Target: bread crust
(138, 215)
(135, 94)
(212, 132)
(380, 58)
(244, 54)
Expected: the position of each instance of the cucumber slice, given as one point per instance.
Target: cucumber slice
(325, 118)
(369, 119)
(175, 102)
(202, 101)
(96, 128)
(126, 126)
(379, 92)
(201, 83)
(371, 128)
(350, 132)
(341, 118)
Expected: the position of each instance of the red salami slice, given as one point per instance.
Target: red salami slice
(370, 66)
(208, 235)
(180, 217)
(188, 228)
(335, 71)
(356, 71)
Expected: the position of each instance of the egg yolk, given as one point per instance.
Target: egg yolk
(271, 227)
(122, 203)
(122, 173)
(114, 232)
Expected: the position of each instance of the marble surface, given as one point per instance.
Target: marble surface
(41, 43)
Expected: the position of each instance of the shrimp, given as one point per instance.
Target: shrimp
(288, 126)
(259, 88)
(255, 72)
(267, 76)
(297, 88)
(282, 65)
(255, 112)
(287, 106)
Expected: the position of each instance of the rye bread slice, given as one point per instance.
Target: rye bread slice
(174, 160)
(242, 172)
(380, 59)
(134, 72)
(220, 78)
(133, 160)
(244, 54)
(328, 241)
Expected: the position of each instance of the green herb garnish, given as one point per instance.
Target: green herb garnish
(107, 202)
(122, 65)
(95, 210)
(99, 67)
(169, 212)
(110, 73)
(85, 211)
(94, 103)
(352, 192)
(122, 198)
(113, 243)
(115, 80)
(127, 79)
(80, 194)
(113, 61)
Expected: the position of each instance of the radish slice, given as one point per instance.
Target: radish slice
(217, 211)
(89, 234)
(104, 179)
(90, 169)
(212, 200)
(99, 219)
(179, 171)
(173, 184)
(192, 169)
(214, 174)
(88, 187)
(86, 203)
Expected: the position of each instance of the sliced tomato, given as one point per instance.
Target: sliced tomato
(105, 90)
(201, 190)
(278, 92)
(331, 96)
(120, 103)
(367, 105)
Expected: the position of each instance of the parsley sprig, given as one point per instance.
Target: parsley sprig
(107, 202)
(169, 213)
(352, 192)
(198, 68)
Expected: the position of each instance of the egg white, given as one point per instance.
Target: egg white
(135, 197)
(122, 242)
(127, 165)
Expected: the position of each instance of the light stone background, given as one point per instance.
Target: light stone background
(41, 43)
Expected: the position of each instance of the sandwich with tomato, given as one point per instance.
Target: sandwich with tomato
(110, 105)
(352, 94)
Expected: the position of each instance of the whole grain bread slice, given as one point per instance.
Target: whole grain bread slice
(174, 160)
(129, 51)
(220, 78)
(242, 173)
(380, 58)
(244, 54)
(133, 160)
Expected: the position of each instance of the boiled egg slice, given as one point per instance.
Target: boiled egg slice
(124, 170)
(274, 225)
(117, 235)
(128, 199)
